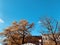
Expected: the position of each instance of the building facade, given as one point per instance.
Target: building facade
(48, 41)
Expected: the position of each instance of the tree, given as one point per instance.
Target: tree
(53, 28)
(16, 33)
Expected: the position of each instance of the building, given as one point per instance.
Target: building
(48, 41)
(34, 39)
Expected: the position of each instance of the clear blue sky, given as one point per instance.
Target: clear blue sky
(30, 10)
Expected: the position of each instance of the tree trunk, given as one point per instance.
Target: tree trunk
(23, 38)
(55, 43)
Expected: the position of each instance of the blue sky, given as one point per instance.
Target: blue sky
(31, 10)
